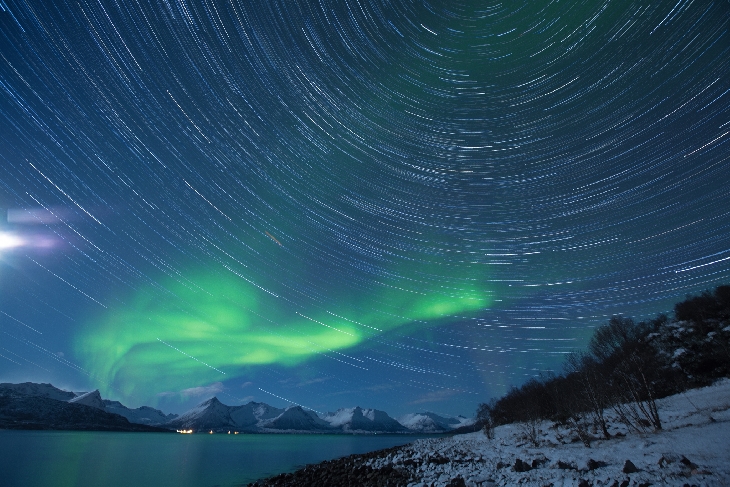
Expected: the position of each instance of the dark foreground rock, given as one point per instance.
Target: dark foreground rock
(343, 472)
(19, 411)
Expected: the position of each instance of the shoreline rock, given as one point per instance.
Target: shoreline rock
(352, 470)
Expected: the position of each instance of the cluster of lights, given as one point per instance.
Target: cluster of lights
(188, 432)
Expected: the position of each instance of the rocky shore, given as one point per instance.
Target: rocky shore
(352, 470)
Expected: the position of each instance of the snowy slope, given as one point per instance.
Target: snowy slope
(691, 449)
(140, 415)
(92, 399)
(428, 422)
(208, 415)
(297, 419)
(366, 420)
(253, 416)
(243, 416)
(263, 411)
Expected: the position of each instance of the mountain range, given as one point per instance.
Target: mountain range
(213, 415)
(43, 406)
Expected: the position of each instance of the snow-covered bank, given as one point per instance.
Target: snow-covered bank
(692, 449)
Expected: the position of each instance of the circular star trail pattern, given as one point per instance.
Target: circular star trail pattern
(402, 205)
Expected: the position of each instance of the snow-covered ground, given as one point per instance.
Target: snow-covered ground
(692, 449)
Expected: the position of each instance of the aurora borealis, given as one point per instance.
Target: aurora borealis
(400, 205)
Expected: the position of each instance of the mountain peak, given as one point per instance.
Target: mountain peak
(429, 422)
(359, 419)
(92, 399)
(209, 414)
(297, 418)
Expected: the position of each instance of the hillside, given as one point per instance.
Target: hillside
(691, 449)
(19, 411)
(627, 366)
(43, 406)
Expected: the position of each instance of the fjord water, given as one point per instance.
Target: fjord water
(111, 459)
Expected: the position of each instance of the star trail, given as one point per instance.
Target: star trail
(401, 205)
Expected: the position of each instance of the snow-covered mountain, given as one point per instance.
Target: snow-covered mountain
(262, 411)
(216, 416)
(253, 413)
(428, 422)
(358, 419)
(251, 417)
(92, 399)
(42, 406)
(208, 415)
(213, 415)
(296, 418)
(39, 390)
(140, 415)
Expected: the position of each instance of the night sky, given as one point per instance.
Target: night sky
(401, 205)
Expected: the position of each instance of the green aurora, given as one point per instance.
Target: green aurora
(213, 327)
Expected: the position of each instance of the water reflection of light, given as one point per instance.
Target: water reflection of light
(9, 240)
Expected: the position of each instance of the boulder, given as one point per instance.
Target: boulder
(521, 466)
(629, 467)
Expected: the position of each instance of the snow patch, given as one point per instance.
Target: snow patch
(92, 399)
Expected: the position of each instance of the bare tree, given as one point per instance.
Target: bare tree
(485, 417)
(595, 394)
(635, 400)
(532, 407)
(622, 372)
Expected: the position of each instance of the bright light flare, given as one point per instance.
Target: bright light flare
(9, 240)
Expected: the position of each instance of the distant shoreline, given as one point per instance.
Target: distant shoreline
(156, 429)
(41, 427)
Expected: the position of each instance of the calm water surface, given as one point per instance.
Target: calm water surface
(74, 458)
